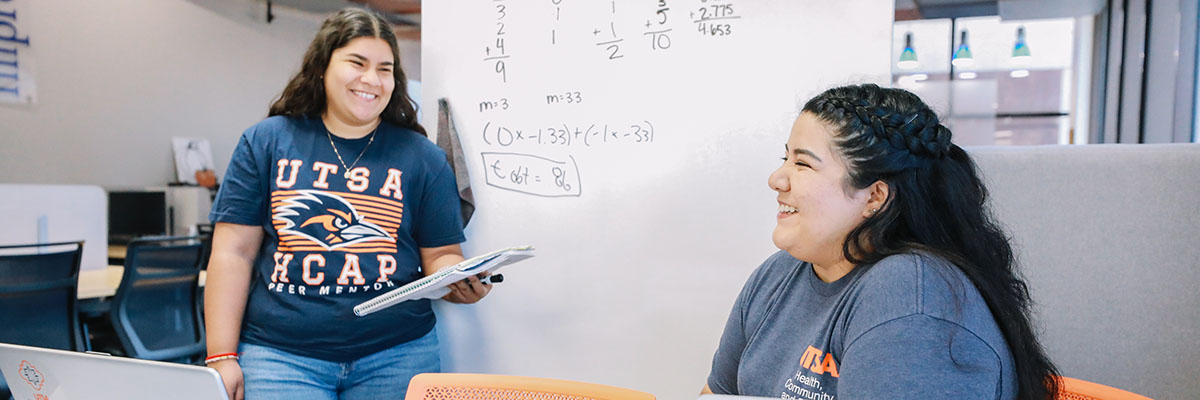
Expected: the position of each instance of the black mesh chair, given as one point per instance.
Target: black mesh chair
(156, 311)
(38, 284)
(205, 231)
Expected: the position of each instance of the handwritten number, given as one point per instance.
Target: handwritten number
(560, 179)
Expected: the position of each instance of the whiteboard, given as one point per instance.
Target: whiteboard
(630, 143)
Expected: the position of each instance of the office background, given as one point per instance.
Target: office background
(117, 80)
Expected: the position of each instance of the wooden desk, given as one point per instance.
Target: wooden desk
(98, 283)
(117, 251)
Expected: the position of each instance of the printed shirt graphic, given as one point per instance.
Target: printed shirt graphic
(334, 240)
(882, 331)
(310, 220)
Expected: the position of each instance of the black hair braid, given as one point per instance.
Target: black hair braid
(920, 133)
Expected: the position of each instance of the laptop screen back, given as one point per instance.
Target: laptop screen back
(34, 373)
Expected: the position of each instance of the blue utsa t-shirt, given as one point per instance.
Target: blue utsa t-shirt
(333, 240)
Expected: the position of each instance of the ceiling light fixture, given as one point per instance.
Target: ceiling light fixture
(962, 56)
(1020, 53)
(908, 58)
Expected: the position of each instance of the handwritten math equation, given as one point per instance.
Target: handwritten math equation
(567, 135)
(714, 17)
(555, 98)
(618, 30)
(494, 53)
(530, 174)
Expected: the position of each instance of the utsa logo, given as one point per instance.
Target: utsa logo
(326, 219)
(813, 362)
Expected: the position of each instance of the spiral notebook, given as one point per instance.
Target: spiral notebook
(434, 286)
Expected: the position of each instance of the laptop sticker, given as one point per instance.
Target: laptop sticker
(38, 385)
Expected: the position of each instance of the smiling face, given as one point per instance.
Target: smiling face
(815, 210)
(359, 81)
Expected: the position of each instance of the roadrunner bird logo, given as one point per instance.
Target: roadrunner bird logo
(326, 219)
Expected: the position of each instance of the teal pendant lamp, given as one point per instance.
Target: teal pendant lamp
(908, 58)
(1020, 55)
(1020, 48)
(962, 56)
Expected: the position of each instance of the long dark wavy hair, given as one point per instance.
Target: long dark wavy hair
(936, 204)
(304, 95)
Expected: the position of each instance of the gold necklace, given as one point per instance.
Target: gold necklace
(360, 154)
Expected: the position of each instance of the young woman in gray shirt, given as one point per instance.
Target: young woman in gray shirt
(894, 281)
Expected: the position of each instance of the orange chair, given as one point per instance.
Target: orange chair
(1075, 389)
(503, 387)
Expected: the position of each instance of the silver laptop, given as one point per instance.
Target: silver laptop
(35, 373)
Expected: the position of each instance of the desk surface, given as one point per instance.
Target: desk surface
(96, 283)
(116, 251)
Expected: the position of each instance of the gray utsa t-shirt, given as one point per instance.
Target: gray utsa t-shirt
(910, 326)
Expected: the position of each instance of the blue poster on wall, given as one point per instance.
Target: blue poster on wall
(16, 58)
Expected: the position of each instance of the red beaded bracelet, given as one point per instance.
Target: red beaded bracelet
(220, 357)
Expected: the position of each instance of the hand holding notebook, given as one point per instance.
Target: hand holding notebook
(435, 286)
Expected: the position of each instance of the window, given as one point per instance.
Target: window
(991, 95)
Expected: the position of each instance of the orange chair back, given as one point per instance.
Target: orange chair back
(1076, 389)
(504, 387)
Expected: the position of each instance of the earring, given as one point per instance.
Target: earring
(874, 210)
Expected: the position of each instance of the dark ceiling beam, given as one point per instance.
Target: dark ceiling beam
(393, 6)
(955, 9)
(907, 14)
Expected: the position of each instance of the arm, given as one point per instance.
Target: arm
(436, 258)
(227, 287)
(920, 357)
(724, 373)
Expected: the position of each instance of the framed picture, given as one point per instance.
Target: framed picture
(191, 155)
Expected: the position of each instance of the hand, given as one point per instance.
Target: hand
(470, 291)
(231, 375)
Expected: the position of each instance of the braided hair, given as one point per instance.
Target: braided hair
(936, 204)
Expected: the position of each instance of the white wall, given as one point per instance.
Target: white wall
(116, 79)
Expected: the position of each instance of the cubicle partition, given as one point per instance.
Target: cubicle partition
(1108, 237)
(57, 213)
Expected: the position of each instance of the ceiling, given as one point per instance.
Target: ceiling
(329, 6)
(405, 15)
(930, 9)
(1006, 9)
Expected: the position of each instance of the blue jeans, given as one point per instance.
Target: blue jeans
(272, 374)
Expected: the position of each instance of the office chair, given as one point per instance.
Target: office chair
(205, 231)
(502, 387)
(1077, 389)
(156, 310)
(38, 284)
